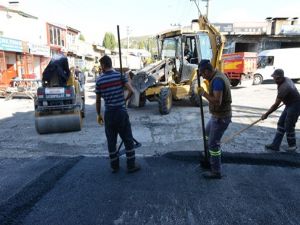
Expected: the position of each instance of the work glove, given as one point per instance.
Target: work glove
(200, 90)
(205, 85)
(100, 119)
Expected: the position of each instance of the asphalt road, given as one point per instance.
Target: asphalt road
(166, 191)
(65, 178)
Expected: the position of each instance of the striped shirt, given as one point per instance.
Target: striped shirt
(110, 86)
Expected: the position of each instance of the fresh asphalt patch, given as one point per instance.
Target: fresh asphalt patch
(12, 210)
(169, 190)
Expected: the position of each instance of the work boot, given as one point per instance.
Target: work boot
(212, 175)
(115, 165)
(271, 147)
(291, 149)
(132, 169)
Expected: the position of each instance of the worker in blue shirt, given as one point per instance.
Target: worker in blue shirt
(219, 101)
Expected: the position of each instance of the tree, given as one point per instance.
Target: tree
(81, 37)
(141, 45)
(109, 41)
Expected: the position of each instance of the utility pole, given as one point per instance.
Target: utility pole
(128, 32)
(207, 6)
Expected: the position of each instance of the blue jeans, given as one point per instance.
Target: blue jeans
(117, 122)
(215, 129)
(286, 124)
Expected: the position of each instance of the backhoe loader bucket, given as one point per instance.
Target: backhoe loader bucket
(135, 99)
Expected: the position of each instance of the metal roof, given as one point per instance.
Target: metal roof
(21, 13)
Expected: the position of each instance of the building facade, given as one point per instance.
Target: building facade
(278, 32)
(23, 54)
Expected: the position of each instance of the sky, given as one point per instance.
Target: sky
(149, 17)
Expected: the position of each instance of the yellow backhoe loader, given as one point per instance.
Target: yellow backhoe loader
(174, 76)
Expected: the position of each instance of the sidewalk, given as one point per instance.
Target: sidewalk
(168, 190)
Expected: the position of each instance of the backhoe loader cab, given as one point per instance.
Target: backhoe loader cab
(174, 75)
(186, 50)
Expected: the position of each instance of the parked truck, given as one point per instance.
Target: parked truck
(130, 62)
(239, 64)
(270, 60)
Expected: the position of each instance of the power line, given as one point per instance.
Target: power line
(197, 5)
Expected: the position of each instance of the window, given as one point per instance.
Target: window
(205, 47)
(56, 36)
(51, 35)
(73, 39)
(168, 48)
(264, 61)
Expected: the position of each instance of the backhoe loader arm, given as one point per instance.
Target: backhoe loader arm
(217, 41)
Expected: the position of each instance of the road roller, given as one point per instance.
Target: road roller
(59, 109)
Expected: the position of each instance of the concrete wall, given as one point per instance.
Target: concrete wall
(21, 28)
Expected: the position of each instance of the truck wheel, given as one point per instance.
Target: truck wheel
(257, 79)
(234, 82)
(165, 100)
(143, 99)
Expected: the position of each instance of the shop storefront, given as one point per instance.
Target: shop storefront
(19, 59)
(9, 48)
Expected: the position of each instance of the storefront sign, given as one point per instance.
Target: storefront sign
(224, 27)
(12, 45)
(43, 50)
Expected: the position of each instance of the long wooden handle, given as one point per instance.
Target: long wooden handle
(240, 131)
(226, 140)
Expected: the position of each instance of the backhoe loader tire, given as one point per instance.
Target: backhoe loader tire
(165, 100)
(194, 98)
(142, 99)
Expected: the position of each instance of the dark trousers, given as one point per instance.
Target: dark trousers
(286, 124)
(117, 122)
(215, 129)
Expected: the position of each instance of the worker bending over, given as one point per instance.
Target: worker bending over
(110, 86)
(289, 95)
(219, 100)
